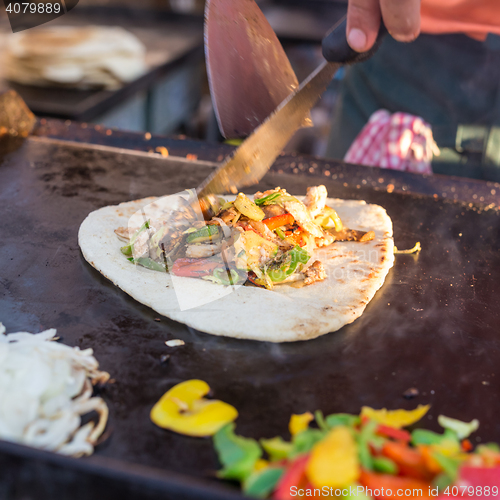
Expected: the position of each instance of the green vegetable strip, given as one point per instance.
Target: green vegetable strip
(423, 436)
(266, 200)
(206, 232)
(342, 419)
(320, 420)
(287, 264)
(365, 436)
(280, 233)
(384, 465)
(149, 264)
(239, 455)
(305, 440)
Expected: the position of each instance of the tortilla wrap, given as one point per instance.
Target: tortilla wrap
(356, 270)
(80, 57)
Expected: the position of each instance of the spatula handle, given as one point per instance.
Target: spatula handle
(336, 48)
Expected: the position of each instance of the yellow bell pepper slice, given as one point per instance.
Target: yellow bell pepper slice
(395, 418)
(183, 409)
(334, 460)
(299, 423)
(327, 214)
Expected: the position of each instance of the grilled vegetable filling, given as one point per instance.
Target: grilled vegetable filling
(262, 242)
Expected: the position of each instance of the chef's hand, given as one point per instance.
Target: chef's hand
(401, 18)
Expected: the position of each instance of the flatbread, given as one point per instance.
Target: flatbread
(356, 270)
(79, 57)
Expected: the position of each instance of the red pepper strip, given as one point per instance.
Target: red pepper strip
(409, 461)
(392, 432)
(393, 486)
(194, 268)
(295, 238)
(278, 221)
(295, 475)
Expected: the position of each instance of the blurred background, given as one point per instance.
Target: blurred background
(169, 95)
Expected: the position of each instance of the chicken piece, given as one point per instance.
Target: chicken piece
(141, 245)
(315, 199)
(326, 240)
(273, 211)
(124, 233)
(303, 217)
(263, 230)
(352, 235)
(227, 216)
(315, 272)
(202, 251)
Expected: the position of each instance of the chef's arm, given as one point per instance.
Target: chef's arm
(401, 18)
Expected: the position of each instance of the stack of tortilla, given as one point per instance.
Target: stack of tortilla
(79, 57)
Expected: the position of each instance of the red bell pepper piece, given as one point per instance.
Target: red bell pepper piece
(194, 268)
(295, 476)
(409, 461)
(295, 238)
(278, 221)
(392, 432)
(393, 486)
(467, 445)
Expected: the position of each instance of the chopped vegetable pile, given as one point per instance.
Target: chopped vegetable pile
(367, 456)
(261, 242)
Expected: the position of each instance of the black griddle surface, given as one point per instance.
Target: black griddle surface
(434, 325)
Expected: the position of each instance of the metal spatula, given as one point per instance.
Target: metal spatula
(248, 71)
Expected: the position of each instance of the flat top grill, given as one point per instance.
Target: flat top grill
(433, 325)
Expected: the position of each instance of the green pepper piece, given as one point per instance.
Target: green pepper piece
(287, 264)
(149, 264)
(305, 440)
(423, 436)
(320, 420)
(366, 434)
(280, 233)
(204, 234)
(277, 448)
(267, 200)
(385, 465)
(262, 483)
(342, 419)
(237, 454)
